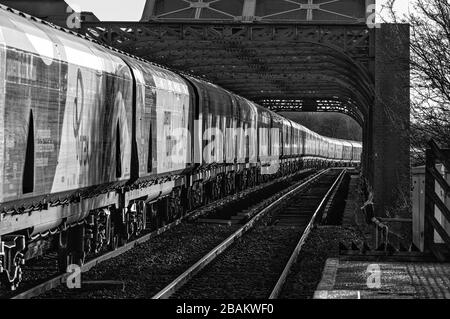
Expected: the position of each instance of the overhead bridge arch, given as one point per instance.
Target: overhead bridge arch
(291, 55)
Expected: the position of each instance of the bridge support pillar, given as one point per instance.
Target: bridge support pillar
(391, 123)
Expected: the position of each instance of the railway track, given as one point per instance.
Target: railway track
(42, 276)
(48, 267)
(254, 262)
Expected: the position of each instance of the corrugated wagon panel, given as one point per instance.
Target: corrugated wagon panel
(2, 112)
(32, 114)
(67, 114)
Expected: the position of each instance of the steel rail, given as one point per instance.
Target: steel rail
(280, 283)
(181, 280)
(57, 280)
(62, 278)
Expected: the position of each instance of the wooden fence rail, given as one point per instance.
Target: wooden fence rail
(437, 201)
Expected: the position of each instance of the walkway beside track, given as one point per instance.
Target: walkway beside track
(346, 279)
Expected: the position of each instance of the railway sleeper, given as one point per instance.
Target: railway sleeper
(109, 227)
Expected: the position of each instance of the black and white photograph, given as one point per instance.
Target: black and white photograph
(228, 155)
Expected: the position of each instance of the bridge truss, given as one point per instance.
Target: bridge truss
(281, 66)
(289, 55)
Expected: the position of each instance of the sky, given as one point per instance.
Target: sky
(131, 10)
(111, 10)
(401, 6)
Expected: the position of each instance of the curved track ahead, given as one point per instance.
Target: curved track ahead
(45, 275)
(255, 265)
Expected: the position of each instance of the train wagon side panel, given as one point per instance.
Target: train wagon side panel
(65, 112)
(145, 111)
(295, 143)
(216, 116)
(277, 137)
(172, 122)
(264, 126)
(146, 118)
(303, 141)
(295, 139)
(217, 120)
(230, 132)
(29, 86)
(2, 111)
(247, 131)
(252, 132)
(287, 138)
(97, 119)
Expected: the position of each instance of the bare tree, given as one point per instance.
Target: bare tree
(430, 68)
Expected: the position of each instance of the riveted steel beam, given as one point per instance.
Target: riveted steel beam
(258, 61)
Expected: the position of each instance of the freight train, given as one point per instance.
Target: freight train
(97, 145)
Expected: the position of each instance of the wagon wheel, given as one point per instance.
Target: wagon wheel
(176, 204)
(179, 203)
(140, 218)
(12, 277)
(188, 199)
(114, 239)
(198, 195)
(173, 209)
(231, 183)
